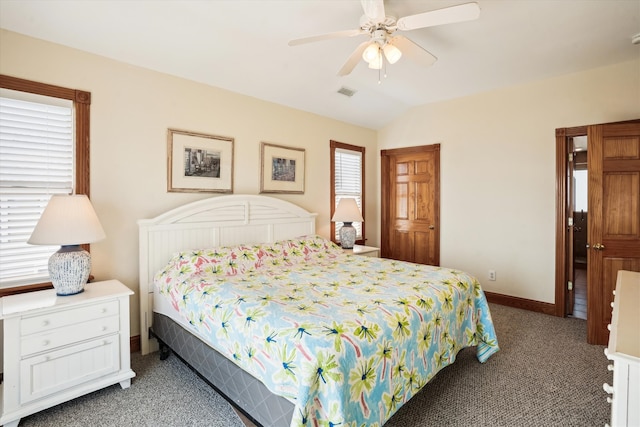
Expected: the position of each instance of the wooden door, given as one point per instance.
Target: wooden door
(614, 217)
(411, 204)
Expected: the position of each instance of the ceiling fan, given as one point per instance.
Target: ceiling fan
(383, 44)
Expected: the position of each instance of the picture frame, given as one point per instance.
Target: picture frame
(282, 169)
(199, 163)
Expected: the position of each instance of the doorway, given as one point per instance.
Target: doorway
(612, 218)
(410, 206)
(571, 222)
(578, 202)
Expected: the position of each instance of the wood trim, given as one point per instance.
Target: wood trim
(5, 292)
(436, 147)
(385, 192)
(562, 153)
(410, 150)
(594, 234)
(522, 303)
(82, 103)
(83, 148)
(22, 85)
(332, 197)
(134, 343)
(561, 221)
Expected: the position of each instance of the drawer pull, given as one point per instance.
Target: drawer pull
(45, 323)
(46, 343)
(606, 387)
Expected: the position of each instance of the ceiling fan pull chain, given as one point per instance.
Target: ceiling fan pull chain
(382, 64)
(384, 61)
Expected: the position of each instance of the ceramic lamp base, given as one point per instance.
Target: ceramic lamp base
(69, 269)
(347, 236)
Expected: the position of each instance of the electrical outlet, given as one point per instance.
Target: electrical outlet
(492, 275)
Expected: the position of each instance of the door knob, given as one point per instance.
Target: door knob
(598, 246)
(431, 227)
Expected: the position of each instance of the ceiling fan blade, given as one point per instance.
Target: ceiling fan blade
(353, 60)
(413, 51)
(327, 36)
(374, 10)
(447, 15)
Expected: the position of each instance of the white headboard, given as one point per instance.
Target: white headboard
(217, 221)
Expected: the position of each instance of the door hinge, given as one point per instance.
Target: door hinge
(570, 221)
(570, 157)
(570, 285)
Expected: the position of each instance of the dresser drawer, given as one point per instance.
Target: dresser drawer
(59, 337)
(61, 318)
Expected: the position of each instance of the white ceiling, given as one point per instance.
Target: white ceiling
(241, 45)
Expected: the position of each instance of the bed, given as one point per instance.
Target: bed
(288, 327)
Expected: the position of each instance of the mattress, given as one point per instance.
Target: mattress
(241, 389)
(346, 339)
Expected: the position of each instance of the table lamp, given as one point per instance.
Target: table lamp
(69, 221)
(347, 212)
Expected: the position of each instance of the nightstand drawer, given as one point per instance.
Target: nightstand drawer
(78, 315)
(59, 370)
(36, 343)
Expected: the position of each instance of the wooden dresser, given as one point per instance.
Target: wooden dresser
(624, 351)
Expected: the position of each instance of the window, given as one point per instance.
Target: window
(44, 150)
(347, 180)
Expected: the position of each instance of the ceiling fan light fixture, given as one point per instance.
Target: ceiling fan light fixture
(371, 52)
(376, 63)
(392, 53)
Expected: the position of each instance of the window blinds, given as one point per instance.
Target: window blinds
(348, 182)
(36, 162)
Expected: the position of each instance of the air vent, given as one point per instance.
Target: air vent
(346, 91)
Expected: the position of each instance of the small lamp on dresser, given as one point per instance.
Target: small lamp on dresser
(69, 221)
(347, 212)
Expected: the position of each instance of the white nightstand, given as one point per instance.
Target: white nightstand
(364, 250)
(57, 348)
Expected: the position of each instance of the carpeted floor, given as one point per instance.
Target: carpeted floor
(544, 375)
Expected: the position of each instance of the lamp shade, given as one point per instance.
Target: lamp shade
(67, 220)
(371, 52)
(376, 63)
(392, 53)
(347, 211)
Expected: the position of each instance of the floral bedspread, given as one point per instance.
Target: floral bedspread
(349, 339)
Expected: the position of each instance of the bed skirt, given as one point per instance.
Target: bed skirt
(238, 387)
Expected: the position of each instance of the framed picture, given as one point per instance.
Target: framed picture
(282, 169)
(199, 163)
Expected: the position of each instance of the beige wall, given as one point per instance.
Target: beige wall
(498, 169)
(497, 153)
(131, 110)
